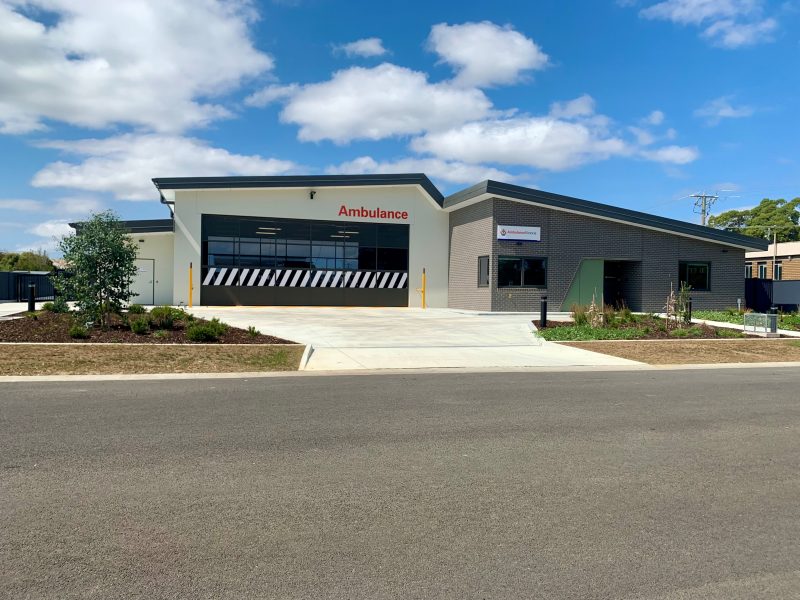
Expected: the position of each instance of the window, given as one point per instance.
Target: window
(695, 274)
(483, 271)
(762, 270)
(778, 274)
(517, 271)
(748, 270)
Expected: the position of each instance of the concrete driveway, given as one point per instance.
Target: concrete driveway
(392, 338)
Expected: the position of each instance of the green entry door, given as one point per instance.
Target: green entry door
(588, 282)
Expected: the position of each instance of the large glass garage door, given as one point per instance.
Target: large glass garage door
(294, 262)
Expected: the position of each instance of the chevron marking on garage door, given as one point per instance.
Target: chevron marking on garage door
(225, 276)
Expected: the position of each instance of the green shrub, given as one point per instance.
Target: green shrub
(60, 305)
(162, 317)
(139, 326)
(161, 334)
(729, 333)
(609, 315)
(579, 316)
(49, 307)
(625, 315)
(32, 316)
(136, 309)
(253, 332)
(209, 331)
(78, 332)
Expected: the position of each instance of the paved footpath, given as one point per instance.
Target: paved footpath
(637, 485)
(349, 338)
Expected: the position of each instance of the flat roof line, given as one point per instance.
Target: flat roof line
(276, 181)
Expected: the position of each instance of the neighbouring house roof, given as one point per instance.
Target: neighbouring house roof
(785, 249)
(494, 189)
(302, 181)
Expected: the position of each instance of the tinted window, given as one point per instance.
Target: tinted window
(694, 274)
(517, 271)
(483, 271)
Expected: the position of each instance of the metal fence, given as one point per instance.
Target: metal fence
(14, 286)
(763, 294)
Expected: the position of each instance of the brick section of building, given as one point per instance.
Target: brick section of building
(471, 236)
(651, 257)
(790, 268)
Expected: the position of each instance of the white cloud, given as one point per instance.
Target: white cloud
(643, 137)
(484, 53)
(50, 229)
(731, 34)
(270, 94)
(365, 48)
(726, 23)
(21, 205)
(380, 102)
(571, 135)
(540, 142)
(655, 118)
(148, 63)
(582, 106)
(676, 155)
(720, 108)
(123, 165)
(437, 169)
(77, 205)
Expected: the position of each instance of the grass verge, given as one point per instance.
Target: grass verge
(114, 359)
(667, 352)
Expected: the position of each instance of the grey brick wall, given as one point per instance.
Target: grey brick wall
(567, 239)
(470, 237)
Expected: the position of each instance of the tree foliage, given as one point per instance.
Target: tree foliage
(102, 265)
(770, 216)
(25, 261)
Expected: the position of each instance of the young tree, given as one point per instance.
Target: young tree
(769, 217)
(102, 264)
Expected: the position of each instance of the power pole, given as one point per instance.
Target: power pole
(703, 203)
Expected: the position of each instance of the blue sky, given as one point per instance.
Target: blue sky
(632, 103)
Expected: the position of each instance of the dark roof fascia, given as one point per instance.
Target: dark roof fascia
(142, 226)
(283, 181)
(496, 188)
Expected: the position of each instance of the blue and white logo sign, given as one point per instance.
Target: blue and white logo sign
(519, 234)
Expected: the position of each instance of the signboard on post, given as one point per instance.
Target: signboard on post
(519, 234)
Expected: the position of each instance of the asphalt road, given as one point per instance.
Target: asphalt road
(676, 484)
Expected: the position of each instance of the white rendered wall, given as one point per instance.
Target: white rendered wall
(428, 226)
(159, 247)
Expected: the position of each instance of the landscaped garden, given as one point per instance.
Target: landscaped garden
(114, 336)
(790, 321)
(625, 325)
(161, 325)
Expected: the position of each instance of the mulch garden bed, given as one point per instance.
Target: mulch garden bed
(698, 331)
(46, 327)
(639, 327)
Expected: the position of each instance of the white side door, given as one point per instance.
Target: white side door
(143, 286)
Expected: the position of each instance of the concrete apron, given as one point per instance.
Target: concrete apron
(409, 338)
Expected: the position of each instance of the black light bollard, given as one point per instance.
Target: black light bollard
(543, 312)
(31, 297)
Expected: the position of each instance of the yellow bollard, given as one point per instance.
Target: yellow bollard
(423, 288)
(191, 285)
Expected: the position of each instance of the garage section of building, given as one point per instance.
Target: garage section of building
(372, 240)
(291, 262)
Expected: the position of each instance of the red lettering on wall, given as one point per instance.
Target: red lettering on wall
(372, 213)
